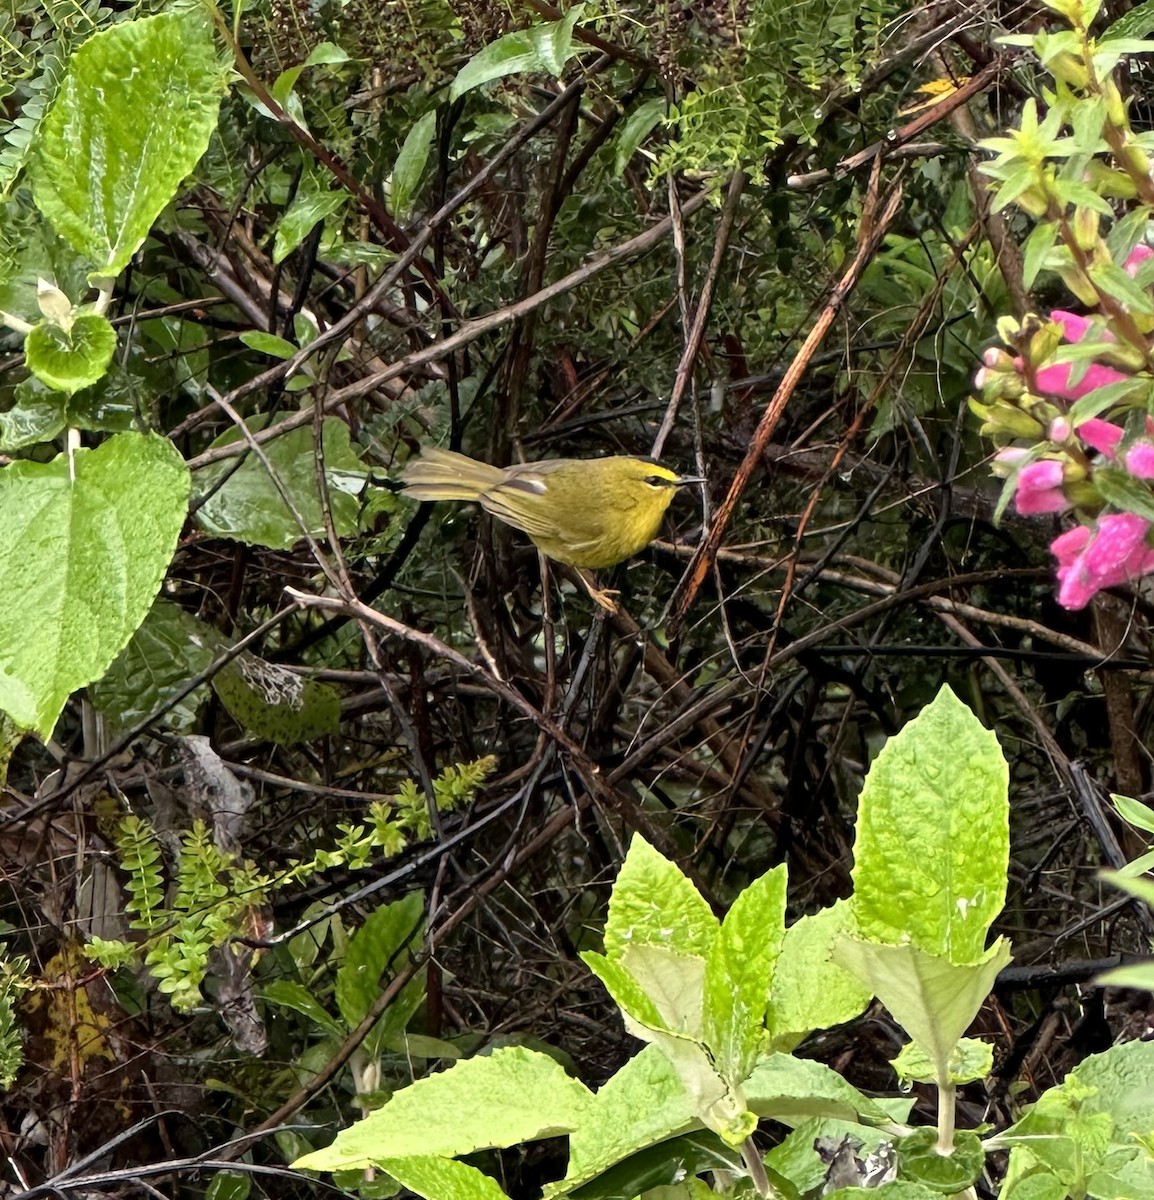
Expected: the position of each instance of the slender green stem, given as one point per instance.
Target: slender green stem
(947, 1097)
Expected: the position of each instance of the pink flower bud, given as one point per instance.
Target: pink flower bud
(1075, 327)
(1056, 380)
(1040, 488)
(1100, 435)
(1060, 430)
(1139, 460)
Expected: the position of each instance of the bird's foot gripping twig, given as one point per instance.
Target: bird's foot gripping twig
(599, 596)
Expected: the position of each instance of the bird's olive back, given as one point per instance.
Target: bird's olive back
(589, 512)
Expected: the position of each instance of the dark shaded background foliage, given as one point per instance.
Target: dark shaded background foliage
(736, 744)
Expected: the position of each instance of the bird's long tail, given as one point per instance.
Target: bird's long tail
(445, 475)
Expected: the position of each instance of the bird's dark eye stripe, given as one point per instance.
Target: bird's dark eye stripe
(659, 481)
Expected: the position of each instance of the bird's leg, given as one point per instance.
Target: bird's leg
(601, 596)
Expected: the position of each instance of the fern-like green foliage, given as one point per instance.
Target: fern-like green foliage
(12, 973)
(139, 854)
(213, 892)
(767, 77)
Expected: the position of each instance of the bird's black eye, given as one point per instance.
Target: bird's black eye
(657, 481)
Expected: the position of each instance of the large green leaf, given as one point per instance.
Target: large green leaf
(83, 548)
(933, 999)
(248, 505)
(512, 1095)
(810, 991)
(629, 993)
(643, 1104)
(131, 120)
(933, 835)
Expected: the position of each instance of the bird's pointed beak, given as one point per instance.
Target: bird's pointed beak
(686, 480)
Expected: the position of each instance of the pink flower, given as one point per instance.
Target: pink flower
(1039, 488)
(1055, 380)
(1100, 435)
(1137, 257)
(1139, 460)
(1090, 559)
(1075, 327)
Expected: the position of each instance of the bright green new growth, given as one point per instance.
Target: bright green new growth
(714, 998)
(512, 1095)
(1091, 1135)
(698, 991)
(930, 864)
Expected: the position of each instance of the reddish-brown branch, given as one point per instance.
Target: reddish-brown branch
(873, 231)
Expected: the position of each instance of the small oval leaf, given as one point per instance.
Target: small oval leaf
(411, 160)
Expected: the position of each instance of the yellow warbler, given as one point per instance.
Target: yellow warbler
(589, 513)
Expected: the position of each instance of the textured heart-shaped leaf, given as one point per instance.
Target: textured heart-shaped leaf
(70, 359)
(82, 555)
